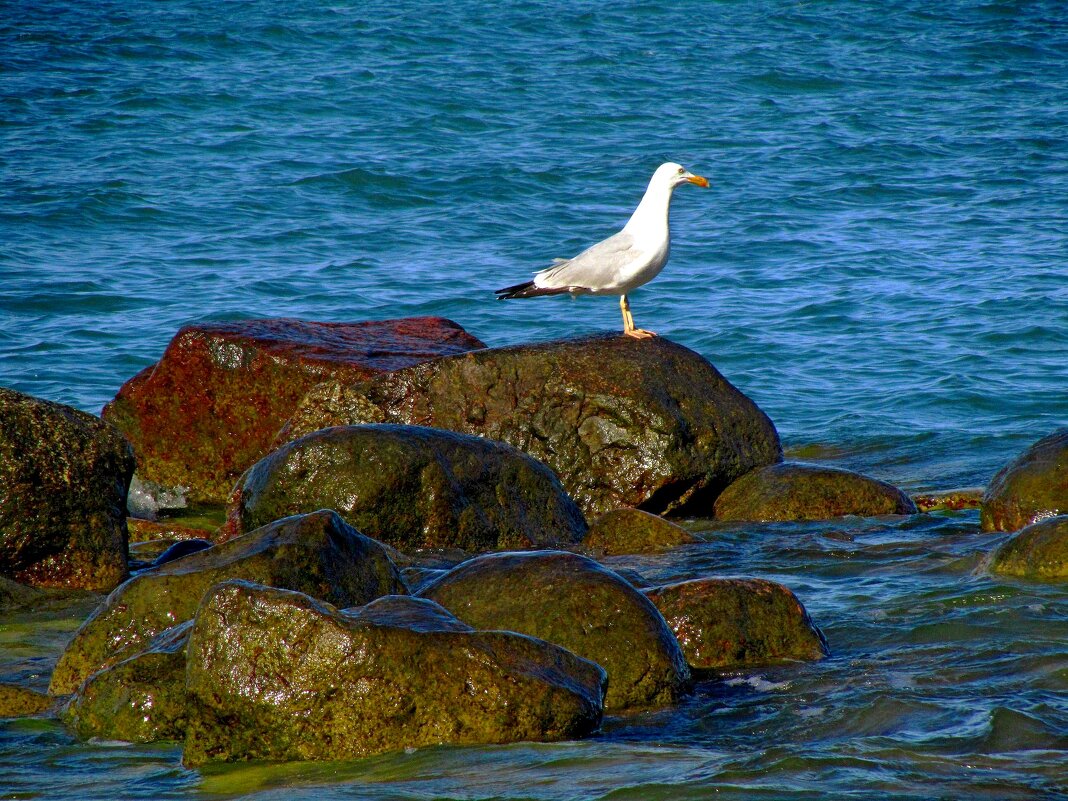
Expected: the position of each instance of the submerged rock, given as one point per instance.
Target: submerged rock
(727, 623)
(1037, 551)
(949, 500)
(141, 699)
(215, 401)
(317, 553)
(622, 422)
(21, 702)
(1032, 487)
(794, 491)
(632, 531)
(278, 675)
(574, 602)
(63, 481)
(413, 487)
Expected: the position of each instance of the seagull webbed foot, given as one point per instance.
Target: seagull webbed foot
(639, 333)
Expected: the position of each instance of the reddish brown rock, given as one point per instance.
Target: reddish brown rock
(215, 401)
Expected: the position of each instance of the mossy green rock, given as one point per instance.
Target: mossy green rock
(20, 702)
(793, 491)
(727, 623)
(64, 475)
(623, 422)
(277, 675)
(413, 487)
(141, 699)
(1037, 551)
(576, 603)
(632, 531)
(1032, 487)
(317, 553)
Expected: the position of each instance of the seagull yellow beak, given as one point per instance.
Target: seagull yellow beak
(697, 179)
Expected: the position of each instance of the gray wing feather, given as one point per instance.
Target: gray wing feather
(594, 268)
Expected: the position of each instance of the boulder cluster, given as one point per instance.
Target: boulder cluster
(406, 555)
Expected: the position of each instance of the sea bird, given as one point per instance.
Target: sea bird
(625, 260)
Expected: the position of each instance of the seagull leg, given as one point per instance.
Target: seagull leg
(628, 321)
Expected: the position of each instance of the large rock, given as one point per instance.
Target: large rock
(1037, 551)
(793, 491)
(278, 675)
(215, 401)
(574, 602)
(1032, 487)
(317, 553)
(622, 422)
(632, 531)
(63, 481)
(729, 623)
(413, 487)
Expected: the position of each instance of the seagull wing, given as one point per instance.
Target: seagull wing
(601, 266)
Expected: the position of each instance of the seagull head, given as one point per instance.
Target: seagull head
(673, 175)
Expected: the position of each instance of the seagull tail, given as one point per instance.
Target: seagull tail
(528, 290)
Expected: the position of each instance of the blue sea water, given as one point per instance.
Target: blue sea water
(880, 263)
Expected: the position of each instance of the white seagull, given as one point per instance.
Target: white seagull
(622, 262)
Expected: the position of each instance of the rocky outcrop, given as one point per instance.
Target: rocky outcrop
(623, 422)
(413, 487)
(730, 623)
(316, 553)
(1038, 551)
(277, 675)
(1032, 487)
(632, 531)
(215, 401)
(794, 491)
(574, 602)
(63, 481)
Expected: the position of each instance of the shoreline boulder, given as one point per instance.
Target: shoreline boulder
(412, 487)
(214, 402)
(632, 531)
(1038, 551)
(1031, 487)
(64, 475)
(623, 422)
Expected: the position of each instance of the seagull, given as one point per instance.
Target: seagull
(625, 260)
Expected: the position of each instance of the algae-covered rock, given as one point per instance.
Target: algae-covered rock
(63, 481)
(141, 699)
(726, 623)
(794, 491)
(576, 603)
(317, 553)
(213, 404)
(1037, 551)
(632, 531)
(413, 487)
(949, 500)
(21, 702)
(623, 422)
(278, 675)
(1032, 487)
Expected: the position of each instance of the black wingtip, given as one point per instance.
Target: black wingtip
(527, 290)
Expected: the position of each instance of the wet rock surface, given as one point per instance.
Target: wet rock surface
(277, 675)
(622, 422)
(1032, 487)
(63, 481)
(20, 702)
(632, 531)
(214, 402)
(413, 487)
(317, 553)
(576, 603)
(1038, 551)
(729, 622)
(796, 491)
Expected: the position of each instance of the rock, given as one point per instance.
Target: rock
(1037, 551)
(632, 531)
(949, 500)
(21, 702)
(179, 549)
(63, 481)
(794, 491)
(14, 595)
(316, 553)
(152, 530)
(215, 401)
(141, 699)
(413, 487)
(574, 602)
(728, 623)
(1032, 487)
(278, 675)
(623, 422)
